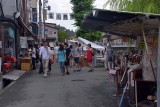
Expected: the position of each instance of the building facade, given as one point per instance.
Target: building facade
(51, 33)
(14, 24)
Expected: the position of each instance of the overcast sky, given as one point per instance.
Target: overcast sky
(64, 6)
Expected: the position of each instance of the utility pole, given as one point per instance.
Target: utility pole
(40, 22)
(44, 13)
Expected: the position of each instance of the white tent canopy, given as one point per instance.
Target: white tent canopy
(95, 46)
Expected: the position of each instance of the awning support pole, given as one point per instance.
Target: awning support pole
(146, 45)
(158, 71)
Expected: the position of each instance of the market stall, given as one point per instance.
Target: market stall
(145, 29)
(25, 58)
(97, 56)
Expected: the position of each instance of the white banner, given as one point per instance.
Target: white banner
(23, 42)
(61, 16)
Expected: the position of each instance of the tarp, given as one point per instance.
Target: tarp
(95, 46)
(122, 23)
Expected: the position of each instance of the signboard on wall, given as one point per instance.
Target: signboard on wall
(23, 42)
(34, 14)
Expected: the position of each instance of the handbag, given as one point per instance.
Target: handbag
(50, 61)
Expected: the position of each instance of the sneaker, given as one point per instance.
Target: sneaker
(90, 70)
(45, 76)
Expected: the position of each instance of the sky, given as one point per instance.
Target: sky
(64, 6)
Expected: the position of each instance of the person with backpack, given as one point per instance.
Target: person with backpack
(62, 58)
(68, 55)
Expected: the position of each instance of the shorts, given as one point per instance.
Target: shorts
(110, 59)
(67, 62)
(76, 59)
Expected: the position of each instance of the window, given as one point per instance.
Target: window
(50, 32)
(55, 32)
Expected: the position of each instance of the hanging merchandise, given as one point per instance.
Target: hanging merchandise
(149, 66)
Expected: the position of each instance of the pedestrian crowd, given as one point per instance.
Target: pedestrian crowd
(66, 55)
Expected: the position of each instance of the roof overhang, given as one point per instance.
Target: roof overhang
(128, 24)
(29, 32)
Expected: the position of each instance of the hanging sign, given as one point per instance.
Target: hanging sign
(23, 42)
(34, 14)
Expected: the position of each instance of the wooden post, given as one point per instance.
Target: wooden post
(158, 71)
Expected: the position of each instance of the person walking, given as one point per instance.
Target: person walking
(56, 52)
(40, 60)
(33, 55)
(71, 57)
(89, 57)
(62, 58)
(44, 53)
(76, 55)
(51, 59)
(68, 55)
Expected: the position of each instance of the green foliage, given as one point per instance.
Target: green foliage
(89, 35)
(80, 8)
(62, 35)
(147, 6)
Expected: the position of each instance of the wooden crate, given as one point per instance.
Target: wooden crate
(26, 66)
(25, 60)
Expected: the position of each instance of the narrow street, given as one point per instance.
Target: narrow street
(79, 89)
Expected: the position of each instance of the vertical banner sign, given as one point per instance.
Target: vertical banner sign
(58, 16)
(65, 16)
(34, 14)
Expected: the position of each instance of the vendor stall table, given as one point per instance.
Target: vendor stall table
(25, 63)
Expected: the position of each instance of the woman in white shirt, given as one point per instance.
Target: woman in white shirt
(33, 55)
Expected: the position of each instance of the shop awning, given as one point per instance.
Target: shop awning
(29, 32)
(93, 45)
(121, 23)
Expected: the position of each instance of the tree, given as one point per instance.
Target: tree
(62, 35)
(80, 8)
(147, 6)
(92, 36)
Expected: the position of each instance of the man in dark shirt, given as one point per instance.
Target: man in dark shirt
(68, 55)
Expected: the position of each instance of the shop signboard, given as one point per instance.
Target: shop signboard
(23, 42)
(34, 14)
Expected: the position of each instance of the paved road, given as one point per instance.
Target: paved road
(80, 89)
